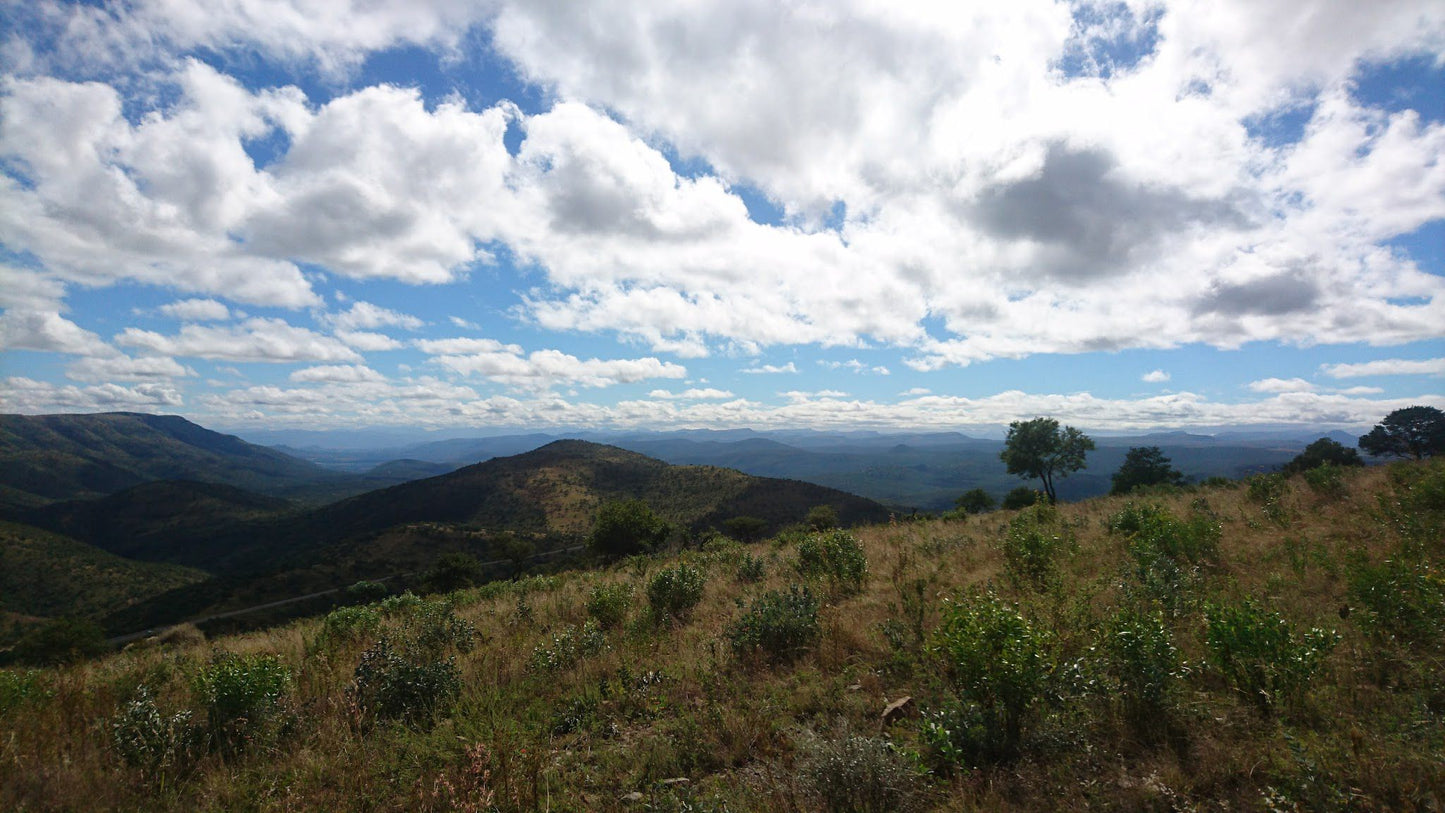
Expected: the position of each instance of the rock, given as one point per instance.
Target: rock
(635, 796)
(897, 710)
(677, 780)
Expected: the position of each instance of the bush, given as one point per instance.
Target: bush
(242, 697)
(1021, 497)
(393, 685)
(777, 626)
(745, 529)
(860, 775)
(1268, 491)
(625, 528)
(398, 604)
(751, 569)
(17, 687)
(1327, 480)
(366, 592)
(608, 604)
(432, 629)
(821, 518)
(1000, 666)
(673, 592)
(64, 640)
(453, 571)
(145, 739)
(1166, 552)
(347, 624)
(1260, 655)
(1032, 545)
(569, 647)
(1403, 601)
(1145, 666)
(975, 501)
(836, 555)
(1323, 452)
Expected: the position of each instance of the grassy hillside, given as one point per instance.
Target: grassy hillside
(1271, 645)
(47, 575)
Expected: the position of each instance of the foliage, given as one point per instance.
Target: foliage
(348, 624)
(836, 555)
(1417, 431)
(745, 529)
(751, 569)
(1144, 466)
(1145, 665)
(1032, 545)
(150, 741)
(393, 685)
(1404, 600)
(1040, 448)
(608, 604)
(1261, 656)
(242, 696)
(62, 640)
(673, 592)
(1327, 480)
(1268, 491)
(627, 527)
(453, 571)
(777, 626)
(1166, 552)
(366, 592)
(433, 628)
(1323, 452)
(975, 501)
(399, 603)
(856, 774)
(1021, 497)
(821, 517)
(19, 686)
(568, 647)
(1000, 666)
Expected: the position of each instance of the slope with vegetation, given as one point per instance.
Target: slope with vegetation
(1271, 644)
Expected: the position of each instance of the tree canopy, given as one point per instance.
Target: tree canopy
(627, 527)
(1041, 448)
(1323, 452)
(1417, 431)
(975, 501)
(1145, 466)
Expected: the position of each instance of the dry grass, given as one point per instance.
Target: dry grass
(668, 702)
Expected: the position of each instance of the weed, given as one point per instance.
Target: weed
(1167, 552)
(18, 687)
(1260, 655)
(1268, 492)
(673, 592)
(569, 646)
(835, 555)
(146, 739)
(1404, 600)
(242, 697)
(777, 626)
(1032, 545)
(1146, 667)
(608, 604)
(394, 685)
(751, 569)
(855, 774)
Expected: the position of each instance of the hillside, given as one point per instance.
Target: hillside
(45, 458)
(1268, 645)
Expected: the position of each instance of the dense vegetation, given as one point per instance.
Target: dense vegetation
(1272, 644)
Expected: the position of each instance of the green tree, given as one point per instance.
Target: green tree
(974, 501)
(1021, 497)
(1417, 431)
(1041, 448)
(453, 571)
(1145, 466)
(626, 527)
(821, 517)
(1323, 452)
(745, 529)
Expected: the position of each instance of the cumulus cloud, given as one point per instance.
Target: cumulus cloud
(337, 373)
(541, 369)
(1279, 385)
(257, 339)
(771, 369)
(706, 393)
(24, 329)
(1155, 377)
(126, 368)
(27, 395)
(1435, 367)
(197, 310)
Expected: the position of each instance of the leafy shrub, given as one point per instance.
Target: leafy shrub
(608, 604)
(146, 739)
(17, 687)
(453, 571)
(433, 628)
(1031, 547)
(751, 569)
(1268, 492)
(856, 774)
(673, 592)
(627, 527)
(398, 604)
(975, 501)
(777, 626)
(1403, 600)
(836, 555)
(745, 529)
(1000, 666)
(1145, 665)
(1327, 480)
(1167, 551)
(63, 640)
(347, 624)
(821, 518)
(242, 696)
(1021, 497)
(1261, 656)
(569, 646)
(366, 592)
(395, 685)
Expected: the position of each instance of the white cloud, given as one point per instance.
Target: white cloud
(1386, 367)
(23, 329)
(462, 323)
(368, 340)
(1155, 377)
(257, 339)
(1281, 385)
(915, 392)
(28, 290)
(771, 369)
(337, 373)
(125, 368)
(1356, 391)
(29, 396)
(197, 310)
(364, 315)
(541, 369)
(706, 393)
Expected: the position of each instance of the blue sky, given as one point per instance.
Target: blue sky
(297, 213)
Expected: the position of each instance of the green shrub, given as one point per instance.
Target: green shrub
(398, 604)
(63, 640)
(1146, 667)
(147, 740)
(1403, 600)
(673, 592)
(433, 629)
(821, 518)
(1032, 545)
(777, 626)
(1327, 480)
(1000, 666)
(366, 592)
(855, 774)
(347, 624)
(608, 604)
(745, 529)
(1021, 497)
(17, 687)
(1261, 656)
(453, 571)
(569, 647)
(242, 697)
(397, 685)
(1166, 552)
(836, 555)
(1268, 492)
(627, 527)
(751, 569)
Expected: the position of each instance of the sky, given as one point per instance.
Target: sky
(445, 214)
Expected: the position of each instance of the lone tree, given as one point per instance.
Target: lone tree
(1145, 466)
(975, 501)
(627, 527)
(1417, 431)
(1040, 448)
(1323, 452)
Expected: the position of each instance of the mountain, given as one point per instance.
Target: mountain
(46, 458)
